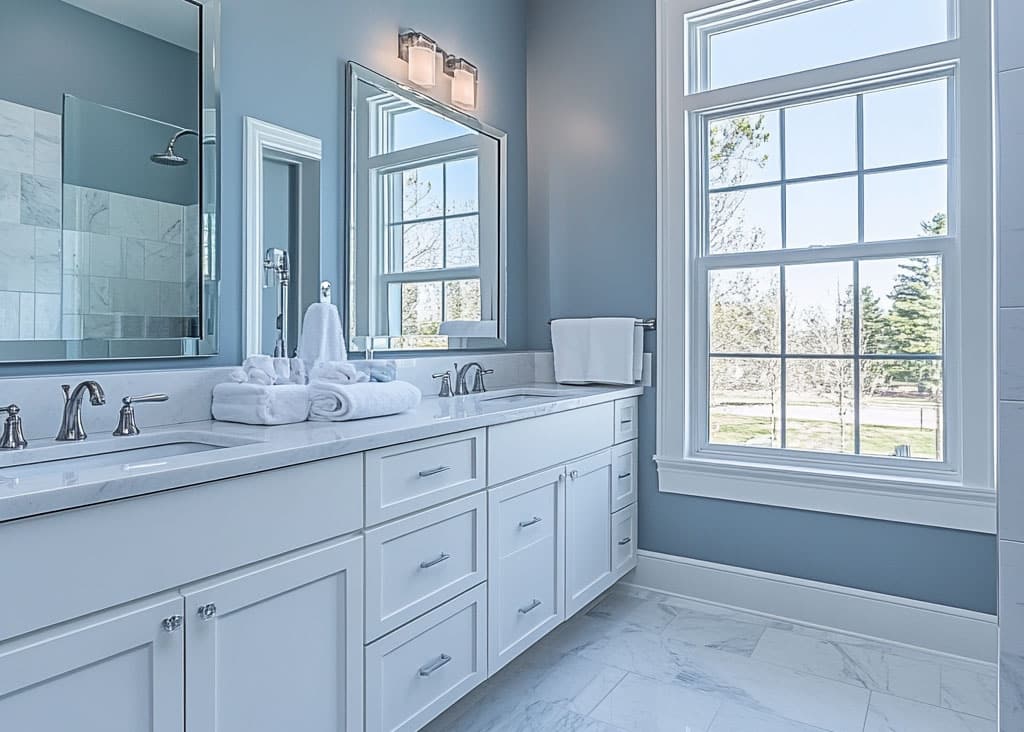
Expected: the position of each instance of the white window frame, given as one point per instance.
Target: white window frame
(958, 493)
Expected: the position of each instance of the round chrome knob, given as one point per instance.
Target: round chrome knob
(172, 623)
(206, 612)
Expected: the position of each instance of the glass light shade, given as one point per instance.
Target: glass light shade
(464, 83)
(422, 61)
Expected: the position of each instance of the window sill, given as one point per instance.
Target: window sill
(927, 503)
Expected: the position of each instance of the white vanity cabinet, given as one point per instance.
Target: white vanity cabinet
(588, 547)
(117, 671)
(278, 646)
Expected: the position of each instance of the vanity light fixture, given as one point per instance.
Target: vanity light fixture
(419, 51)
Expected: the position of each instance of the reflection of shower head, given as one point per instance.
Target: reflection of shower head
(169, 157)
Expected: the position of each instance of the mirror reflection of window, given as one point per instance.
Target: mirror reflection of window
(426, 239)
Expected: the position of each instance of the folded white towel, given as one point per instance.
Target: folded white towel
(597, 350)
(338, 372)
(332, 402)
(322, 337)
(260, 363)
(378, 369)
(298, 371)
(259, 404)
(282, 370)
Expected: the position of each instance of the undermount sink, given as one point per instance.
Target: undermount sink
(142, 452)
(520, 397)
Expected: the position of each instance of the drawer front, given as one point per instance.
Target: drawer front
(524, 511)
(416, 563)
(623, 541)
(405, 478)
(421, 669)
(520, 448)
(525, 600)
(627, 419)
(141, 546)
(624, 475)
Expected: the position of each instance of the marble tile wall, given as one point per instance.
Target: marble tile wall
(1010, 193)
(117, 270)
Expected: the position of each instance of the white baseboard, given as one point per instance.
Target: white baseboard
(894, 619)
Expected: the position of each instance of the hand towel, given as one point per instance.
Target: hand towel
(596, 350)
(259, 404)
(638, 353)
(298, 371)
(282, 370)
(259, 363)
(332, 402)
(322, 337)
(383, 370)
(337, 372)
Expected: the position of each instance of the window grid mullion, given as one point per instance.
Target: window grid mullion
(856, 278)
(784, 218)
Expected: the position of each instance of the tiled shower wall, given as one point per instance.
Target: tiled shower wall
(1010, 162)
(119, 268)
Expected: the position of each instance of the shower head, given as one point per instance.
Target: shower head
(168, 156)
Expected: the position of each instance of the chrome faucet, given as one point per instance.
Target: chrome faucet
(478, 382)
(71, 429)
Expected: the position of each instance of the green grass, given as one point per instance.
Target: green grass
(730, 429)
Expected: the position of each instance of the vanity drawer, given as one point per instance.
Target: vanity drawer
(624, 475)
(627, 419)
(79, 561)
(524, 511)
(623, 541)
(416, 563)
(405, 478)
(524, 447)
(421, 669)
(525, 599)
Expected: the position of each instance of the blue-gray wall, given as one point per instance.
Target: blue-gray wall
(284, 62)
(592, 251)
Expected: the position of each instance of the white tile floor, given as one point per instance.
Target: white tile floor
(644, 662)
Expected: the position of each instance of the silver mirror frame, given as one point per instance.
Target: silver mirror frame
(44, 351)
(357, 73)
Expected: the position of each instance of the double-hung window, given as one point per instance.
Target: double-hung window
(826, 329)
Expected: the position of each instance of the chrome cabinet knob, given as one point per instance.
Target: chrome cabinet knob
(574, 474)
(172, 623)
(206, 612)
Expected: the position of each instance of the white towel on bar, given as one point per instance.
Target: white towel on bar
(261, 404)
(338, 372)
(597, 350)
(322, 337)
(332, 402)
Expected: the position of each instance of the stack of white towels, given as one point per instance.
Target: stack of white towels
(598, 350)
(320, 384)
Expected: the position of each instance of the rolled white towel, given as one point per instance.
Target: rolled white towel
(337, 372)
(258, 376)
(332, 402)
(260, 404)
(260, 362)
(298, 370)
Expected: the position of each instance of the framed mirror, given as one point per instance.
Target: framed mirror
(427, 245)
(109, 180)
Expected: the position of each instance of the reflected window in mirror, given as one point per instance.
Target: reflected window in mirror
(426, 225)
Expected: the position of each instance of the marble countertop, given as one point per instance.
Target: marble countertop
(30, 490)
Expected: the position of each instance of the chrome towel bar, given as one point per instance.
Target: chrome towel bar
(645, 323)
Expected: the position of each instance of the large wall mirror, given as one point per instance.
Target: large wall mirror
(427, 222)
(108, 179)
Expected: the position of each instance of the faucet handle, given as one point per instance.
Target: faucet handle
(14, 436)
(446, 384)
(126, 425)
(479, 387)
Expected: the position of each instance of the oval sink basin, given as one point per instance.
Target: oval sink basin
(520, 397)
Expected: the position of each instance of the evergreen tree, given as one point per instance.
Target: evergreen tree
(915, 321)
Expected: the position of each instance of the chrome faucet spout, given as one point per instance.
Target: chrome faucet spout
(71, 427)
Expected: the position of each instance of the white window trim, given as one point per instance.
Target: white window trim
(961, 495)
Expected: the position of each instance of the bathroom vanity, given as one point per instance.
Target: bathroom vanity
(316, 576)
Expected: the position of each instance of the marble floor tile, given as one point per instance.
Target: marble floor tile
(638, 704)
(968, 691)
(734, 718)
(870, 667)
(723, 632)
(891, 714)
(628, 608)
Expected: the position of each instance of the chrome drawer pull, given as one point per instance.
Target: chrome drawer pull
(435, 471)
(432, 562)
(432, 667)
(623, 476)
(625, 421)
(172, 623)
(531, 522)
(530, 608)
(623, 542)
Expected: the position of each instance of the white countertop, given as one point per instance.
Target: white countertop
(266, 448)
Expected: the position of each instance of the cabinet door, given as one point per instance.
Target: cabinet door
(279, 646)
(526, 587)
(120, 671)
(588, 551)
